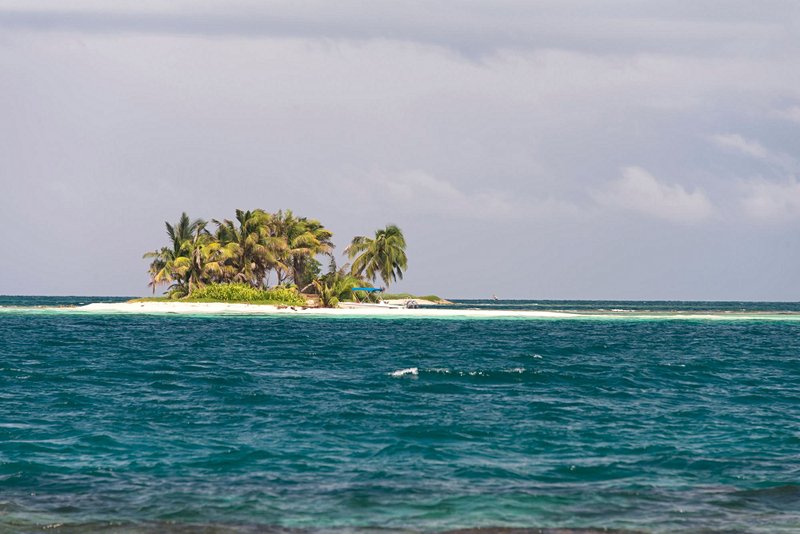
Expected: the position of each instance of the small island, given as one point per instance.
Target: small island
(262, 258)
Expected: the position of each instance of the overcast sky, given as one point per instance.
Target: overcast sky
(551, 149)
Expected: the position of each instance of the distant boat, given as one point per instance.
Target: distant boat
(494, 297)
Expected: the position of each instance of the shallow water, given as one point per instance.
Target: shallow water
(151, 423)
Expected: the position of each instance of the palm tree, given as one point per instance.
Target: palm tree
(249, 249)
(335, 285)
(165, 267)
(159, 274)
(204, 262)
(305, 239)
(182, 232)
(251, 245)
(384, 255)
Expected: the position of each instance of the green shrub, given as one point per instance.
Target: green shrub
(247, 293)
(285, 295)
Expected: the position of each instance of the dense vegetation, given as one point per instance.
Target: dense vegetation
(236, 259)
(238, 292)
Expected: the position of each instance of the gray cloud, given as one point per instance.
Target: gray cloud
(493, 133)
(474, 27)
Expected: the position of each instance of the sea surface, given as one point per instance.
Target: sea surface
(155, 423)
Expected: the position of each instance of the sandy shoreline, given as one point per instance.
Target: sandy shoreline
(221, 308)
(374, 311)
(349, 310)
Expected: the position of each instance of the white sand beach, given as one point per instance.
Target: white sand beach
(347, 310)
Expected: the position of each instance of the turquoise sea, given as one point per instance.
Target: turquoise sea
(156, 423)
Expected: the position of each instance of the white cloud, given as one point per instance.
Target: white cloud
(772, 201)
(418, 191)
(738, 143)
(422, 192)
(638, 190)
(792, 113)
(754, 149)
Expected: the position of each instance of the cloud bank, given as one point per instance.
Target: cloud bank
(772, 201)
(639, 191)
(501, 125)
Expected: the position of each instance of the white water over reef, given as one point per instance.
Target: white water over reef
(442, 312)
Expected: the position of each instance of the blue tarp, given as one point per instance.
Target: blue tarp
(368, 289)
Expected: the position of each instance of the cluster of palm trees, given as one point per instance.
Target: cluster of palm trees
(256, 245)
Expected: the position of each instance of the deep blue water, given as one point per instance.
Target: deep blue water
(154, 423)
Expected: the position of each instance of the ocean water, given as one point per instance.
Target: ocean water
(148, 423)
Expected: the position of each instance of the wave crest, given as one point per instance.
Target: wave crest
(412, 371)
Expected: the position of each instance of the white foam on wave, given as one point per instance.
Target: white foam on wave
(412, 371)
